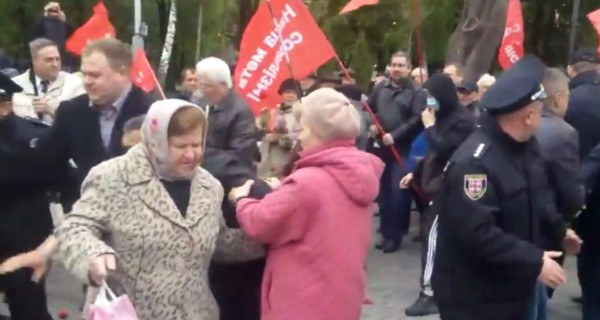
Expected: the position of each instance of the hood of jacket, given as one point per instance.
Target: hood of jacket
(585, 78)
(356, 172)
(443, 90)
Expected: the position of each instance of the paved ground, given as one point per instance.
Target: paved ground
(393, 285)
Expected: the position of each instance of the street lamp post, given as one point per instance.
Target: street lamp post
(140, 29)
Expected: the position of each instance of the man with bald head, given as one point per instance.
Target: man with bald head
(419, 76)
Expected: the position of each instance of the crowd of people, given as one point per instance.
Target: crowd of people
(196, 208)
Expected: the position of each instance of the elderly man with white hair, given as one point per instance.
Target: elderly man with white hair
(419, 76)
(231, 132)
(231, 121)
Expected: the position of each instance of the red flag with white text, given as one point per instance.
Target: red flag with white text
(261, 66)
(142, 74)
(595, 20)
(511, 48)
(98, 26)
(355, 4)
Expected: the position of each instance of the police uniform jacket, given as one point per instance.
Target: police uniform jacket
(25, 219)
(492, 203)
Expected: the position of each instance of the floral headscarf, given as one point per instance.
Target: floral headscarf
(155, 137)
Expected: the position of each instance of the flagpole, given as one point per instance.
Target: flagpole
(287, 57)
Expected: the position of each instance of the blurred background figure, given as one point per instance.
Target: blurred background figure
(45, 84)
(54, 26)
(453, 71)
(131, 132)
(419, 76)
(347, 79)
(468, 94)
(189, 84)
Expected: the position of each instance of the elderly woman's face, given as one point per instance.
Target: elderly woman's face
(186, 151)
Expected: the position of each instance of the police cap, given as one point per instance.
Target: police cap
(585, 54)
(517, 87)
(8, 88)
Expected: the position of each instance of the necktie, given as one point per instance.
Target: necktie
(44, 86)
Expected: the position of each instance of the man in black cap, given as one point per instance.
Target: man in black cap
(25, 219)
(584, 103)
(467, 94)
(493, 202)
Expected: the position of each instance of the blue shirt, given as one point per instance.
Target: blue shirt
(418, 149)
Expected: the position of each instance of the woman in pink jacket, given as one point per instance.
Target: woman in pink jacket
(318, 221)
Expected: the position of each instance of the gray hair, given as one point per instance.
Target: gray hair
(216, 70)
(555, 82)
(38, 44)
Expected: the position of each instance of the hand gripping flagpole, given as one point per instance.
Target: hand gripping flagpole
(287, 56)
(382, 132)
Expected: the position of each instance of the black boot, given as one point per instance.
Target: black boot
(390, 246)
(425, 305)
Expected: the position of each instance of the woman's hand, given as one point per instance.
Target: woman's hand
(273, 182)
(32, 259)
(405, 182)
(100, 266)
(36, 259)
(241, 191)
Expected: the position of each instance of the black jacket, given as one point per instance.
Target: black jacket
(75, 135)
(232, 128)
(453, 126)
(584, 110)
(25, 219)
(559, 144)
(398, 109)
(492, 205)
(236, 287)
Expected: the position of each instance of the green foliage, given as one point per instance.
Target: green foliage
(362, 61)
(381, 29)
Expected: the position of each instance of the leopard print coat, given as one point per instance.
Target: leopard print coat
(163, 257)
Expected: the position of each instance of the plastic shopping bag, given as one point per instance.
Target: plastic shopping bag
(110, 307)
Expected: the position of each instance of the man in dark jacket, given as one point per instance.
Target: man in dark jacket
(236, 287)
(25, 219)
(584, 103)
(447, 125)
(487, 262)
(231, 124)
(398, 106)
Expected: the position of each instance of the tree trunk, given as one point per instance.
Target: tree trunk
(163, 17)
(199, 31)
(247, 10)
(474, 44)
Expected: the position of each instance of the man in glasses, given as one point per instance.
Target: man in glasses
(494, 200)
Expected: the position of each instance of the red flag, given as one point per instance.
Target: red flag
(141, 73)
(511, 49)
(98, 26)
(261, 65)
(355, 4)
(595, 20)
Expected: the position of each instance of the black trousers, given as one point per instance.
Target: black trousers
(26, 299)
(237, 289)
(427, 247)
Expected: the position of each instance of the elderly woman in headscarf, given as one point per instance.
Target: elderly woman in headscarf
(318, 220)
(150, 222)
(281, 132)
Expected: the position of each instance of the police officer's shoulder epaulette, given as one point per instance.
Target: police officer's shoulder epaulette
(480, 151)
(36, 122)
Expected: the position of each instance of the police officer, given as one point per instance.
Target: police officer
(25, 219)
(492, 205)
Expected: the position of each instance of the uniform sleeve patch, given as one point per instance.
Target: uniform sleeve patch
(475, 186)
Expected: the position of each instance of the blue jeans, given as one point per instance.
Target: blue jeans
(394, 203)
(539, 302)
